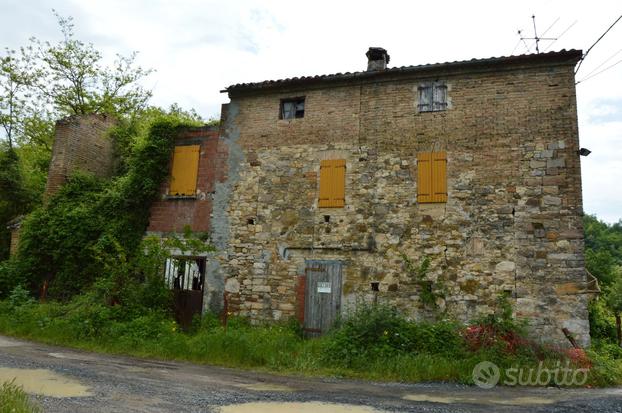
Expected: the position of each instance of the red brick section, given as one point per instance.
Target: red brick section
(300, 298)
(81, 142)
(173, 215)
(14, 240)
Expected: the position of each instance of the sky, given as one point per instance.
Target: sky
(198, 47)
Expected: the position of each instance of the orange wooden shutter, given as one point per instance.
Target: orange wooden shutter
(439, 177)
(431, 177)
(185, 170)
(332, 183)
(424, 177)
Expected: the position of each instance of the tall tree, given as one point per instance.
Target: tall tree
(41, 83)
(71, 77)
(14, 95)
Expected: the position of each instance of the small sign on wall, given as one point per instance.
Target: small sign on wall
(323, 287)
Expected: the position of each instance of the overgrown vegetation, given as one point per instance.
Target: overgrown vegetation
(429, 291)
(603, 257)
(41, 83)
(91, 227)
(375, 342)
(13, 399)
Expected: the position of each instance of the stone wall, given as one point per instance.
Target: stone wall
(80, 143)
(511, 225)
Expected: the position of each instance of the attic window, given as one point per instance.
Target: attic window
(292, 108)
(432, 97)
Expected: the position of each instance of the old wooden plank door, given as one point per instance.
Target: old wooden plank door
(322, 295)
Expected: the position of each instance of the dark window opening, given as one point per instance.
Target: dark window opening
(250, 221)
(292, 108)
(432, 97)
(327, 218)
(375, 285)
(185, 273)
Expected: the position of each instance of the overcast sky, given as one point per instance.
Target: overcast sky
(199, 47)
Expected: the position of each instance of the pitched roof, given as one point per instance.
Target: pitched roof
(563, 56)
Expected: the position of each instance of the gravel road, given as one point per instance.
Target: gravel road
(68, 380)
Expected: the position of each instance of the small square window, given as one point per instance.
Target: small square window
(432, 97)
(292, 108)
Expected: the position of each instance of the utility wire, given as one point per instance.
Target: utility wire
(603, 63)
(598, 73)
(560, 36)
(598, 40)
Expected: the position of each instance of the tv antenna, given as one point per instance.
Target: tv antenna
(535, 35)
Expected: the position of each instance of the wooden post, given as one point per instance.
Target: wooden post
(570, 337)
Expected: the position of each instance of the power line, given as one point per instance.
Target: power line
(560, 36)
(598, 40)
(598, 73)
(603, 63)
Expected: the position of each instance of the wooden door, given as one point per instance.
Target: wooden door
(322, 295)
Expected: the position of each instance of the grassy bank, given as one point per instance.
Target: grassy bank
(13, 399)
(374, 343)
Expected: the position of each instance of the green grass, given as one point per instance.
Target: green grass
(13, 399)
(372, 345)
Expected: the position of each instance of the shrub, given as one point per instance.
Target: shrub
(379, 331)
(498, 331)
(10, 276)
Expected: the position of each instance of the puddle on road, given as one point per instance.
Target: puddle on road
(265, 387)
(310, 407)
(44, 382)
(512, 401)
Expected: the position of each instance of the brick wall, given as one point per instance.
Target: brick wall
(173, 215)
(15, 232)
(511, 225)
(80, 143)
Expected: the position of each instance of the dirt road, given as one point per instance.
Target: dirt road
(68, 380)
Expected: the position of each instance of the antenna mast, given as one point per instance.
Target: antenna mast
(535, 35)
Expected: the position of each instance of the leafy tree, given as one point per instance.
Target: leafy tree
(41, 83)
(603, 258)
(13, 94)
(614, 302)
(71, 77)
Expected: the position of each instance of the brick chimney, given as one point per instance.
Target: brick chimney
(377, 59)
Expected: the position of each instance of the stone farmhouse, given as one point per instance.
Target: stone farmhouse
(434, 189)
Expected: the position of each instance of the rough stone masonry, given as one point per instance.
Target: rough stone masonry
(511, 223)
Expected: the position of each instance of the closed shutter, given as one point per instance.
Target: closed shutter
(431, 177)
(439, 177)
(440, 97)
(332, 183)
(425, 98)
(185, 170)
(424, 177)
